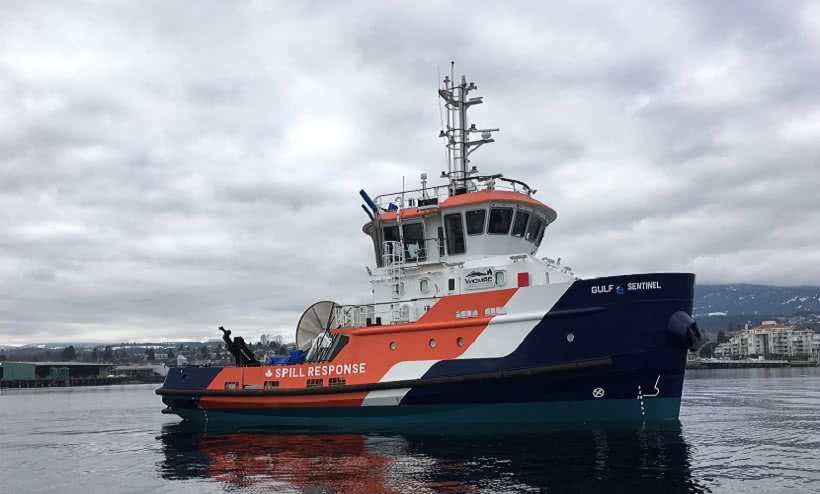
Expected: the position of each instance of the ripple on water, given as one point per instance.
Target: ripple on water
(758, 428)
(740, 431)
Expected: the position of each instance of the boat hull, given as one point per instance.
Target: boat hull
(507, 416)
(608, 349)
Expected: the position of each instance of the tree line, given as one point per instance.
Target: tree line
(130, 353)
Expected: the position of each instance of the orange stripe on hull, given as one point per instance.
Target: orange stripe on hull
(404, 328)
(370, 348)
(330, 400)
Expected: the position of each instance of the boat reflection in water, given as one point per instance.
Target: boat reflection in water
(654, 459)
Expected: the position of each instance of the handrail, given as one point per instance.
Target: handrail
(394, 255)
(441, 192)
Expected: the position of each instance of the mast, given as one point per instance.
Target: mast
(458, 131)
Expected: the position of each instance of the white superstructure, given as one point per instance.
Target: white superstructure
(474, 233)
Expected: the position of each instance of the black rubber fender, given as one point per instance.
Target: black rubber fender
(683, 331)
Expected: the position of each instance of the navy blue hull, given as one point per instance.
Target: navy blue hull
(631, 323)
(592, 385)
(630, 328)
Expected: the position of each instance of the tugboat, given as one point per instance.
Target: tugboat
(467, 325)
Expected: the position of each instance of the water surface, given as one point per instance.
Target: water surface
(746, 430)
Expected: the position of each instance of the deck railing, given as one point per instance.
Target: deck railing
(413, 253)
(416, 197)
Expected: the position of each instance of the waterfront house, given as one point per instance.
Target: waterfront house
(770, 340)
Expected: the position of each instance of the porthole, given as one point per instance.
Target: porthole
(392, 345)
(500, 278)
(432, 342)
(424, 285)
(460, 341)
(570, 337)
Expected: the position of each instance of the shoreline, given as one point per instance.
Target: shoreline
(750, 364)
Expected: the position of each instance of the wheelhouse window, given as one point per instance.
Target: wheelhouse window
(455, 233)
(520, 223)
(388, 233)
(533, 229)
(475, 221)
(377, 248)
(541, 235)
(391, 233)
(440, 236)
(414, 241)
(500, 219)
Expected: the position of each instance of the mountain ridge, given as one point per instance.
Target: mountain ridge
(747, 298)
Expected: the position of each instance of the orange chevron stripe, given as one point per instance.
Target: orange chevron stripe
(371, 346)
(331, 400)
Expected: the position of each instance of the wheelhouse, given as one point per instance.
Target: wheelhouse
(480, 223)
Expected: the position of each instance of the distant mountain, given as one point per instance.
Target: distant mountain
(717, 300)
(716, 307)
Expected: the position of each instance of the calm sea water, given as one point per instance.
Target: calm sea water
(753, 430)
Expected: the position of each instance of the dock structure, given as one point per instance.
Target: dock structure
(141, 374)
(55, 374)
(712, 363)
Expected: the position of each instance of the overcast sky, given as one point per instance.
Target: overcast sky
(169, 167)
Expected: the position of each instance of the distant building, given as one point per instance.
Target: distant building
(770, 340)
(723, 350)
(46, 372)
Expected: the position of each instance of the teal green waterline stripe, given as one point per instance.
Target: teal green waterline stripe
(422, 416)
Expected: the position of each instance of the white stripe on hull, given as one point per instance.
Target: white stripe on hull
(500, 338)
(384, 397)
(505, 333)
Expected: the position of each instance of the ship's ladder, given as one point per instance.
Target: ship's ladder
(393, 262)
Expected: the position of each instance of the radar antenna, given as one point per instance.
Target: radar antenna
(457, 132)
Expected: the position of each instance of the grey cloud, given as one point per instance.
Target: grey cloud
(164, 169)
